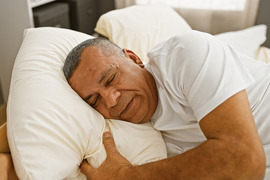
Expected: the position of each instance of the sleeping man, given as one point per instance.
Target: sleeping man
(210, 103)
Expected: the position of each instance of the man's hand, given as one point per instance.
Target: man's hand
(112, 168)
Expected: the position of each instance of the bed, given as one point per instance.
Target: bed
(51, 130)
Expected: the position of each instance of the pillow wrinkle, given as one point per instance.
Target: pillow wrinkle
(50, 128)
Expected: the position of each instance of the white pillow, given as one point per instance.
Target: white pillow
(246, 41)
(50, 129)
(263, 54)
(140, 28)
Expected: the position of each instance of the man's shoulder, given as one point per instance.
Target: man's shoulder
(187, 41)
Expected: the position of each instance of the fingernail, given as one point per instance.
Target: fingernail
(107, 134)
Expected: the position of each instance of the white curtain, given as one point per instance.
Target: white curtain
(218, 21)
(123, 3)
(200, 4)
(213, 16)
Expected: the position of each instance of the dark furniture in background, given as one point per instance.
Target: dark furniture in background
(82, 14)
(105, 6)
(55, 14)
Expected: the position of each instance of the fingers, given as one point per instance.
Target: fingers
(112, 165)
(110, 148)
(109, 144)
(86, 168)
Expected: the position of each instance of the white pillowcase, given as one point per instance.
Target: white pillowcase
(50, 128)
(246, 41)
(140, 28)
(263, 54)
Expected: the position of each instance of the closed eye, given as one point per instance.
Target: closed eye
(110, 79)
(94, 103)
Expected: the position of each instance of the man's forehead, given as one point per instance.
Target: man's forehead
(93, 63)
(90, 54)
(93, 56)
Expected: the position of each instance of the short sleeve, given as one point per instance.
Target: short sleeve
(200, 71)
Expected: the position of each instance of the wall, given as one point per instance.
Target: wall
(14, 18)
(264, 18)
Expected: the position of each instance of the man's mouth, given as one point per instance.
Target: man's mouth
(128, 106)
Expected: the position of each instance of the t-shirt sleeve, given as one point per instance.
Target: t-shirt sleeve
(202, 72)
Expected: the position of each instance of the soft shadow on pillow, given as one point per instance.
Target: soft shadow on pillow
(50, 128)
(140, 28)
(246, 41)
(263, 54)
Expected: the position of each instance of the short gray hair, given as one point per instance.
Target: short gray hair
(73, 59)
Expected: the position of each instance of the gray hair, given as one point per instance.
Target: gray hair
(73, 59)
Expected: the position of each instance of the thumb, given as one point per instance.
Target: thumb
(109, 144)
(86, 168)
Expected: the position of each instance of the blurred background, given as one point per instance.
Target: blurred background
(82, 15)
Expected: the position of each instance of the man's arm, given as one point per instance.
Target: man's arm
(233, 150)
(5, 166)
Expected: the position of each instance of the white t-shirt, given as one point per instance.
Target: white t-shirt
(195, 73)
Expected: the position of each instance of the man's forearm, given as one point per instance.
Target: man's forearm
(3, 174)
(233, 149)
(211, 160)
(5, 165)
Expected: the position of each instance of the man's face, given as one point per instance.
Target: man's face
(116, 87)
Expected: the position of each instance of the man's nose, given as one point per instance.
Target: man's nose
(111, 96)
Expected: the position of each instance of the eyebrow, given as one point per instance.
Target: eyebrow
(103, 75)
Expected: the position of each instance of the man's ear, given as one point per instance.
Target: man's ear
(131, 55)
